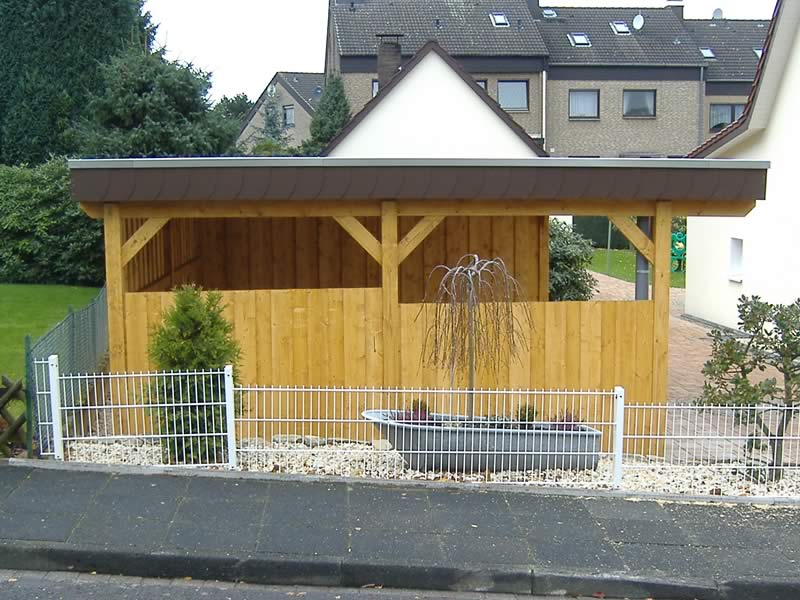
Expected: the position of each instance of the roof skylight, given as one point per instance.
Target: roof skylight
(499, 19)
(620, 27)
(549, 13)
(579, 39)
(758, 51)
(708, 53)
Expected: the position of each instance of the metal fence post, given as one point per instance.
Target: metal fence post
(619, 434)
(230, 416)
(55, 406)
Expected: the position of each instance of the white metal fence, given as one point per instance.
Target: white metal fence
(590, 439)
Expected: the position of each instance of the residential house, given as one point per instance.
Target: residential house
(500, 46)
(295, 96)
(584, 81)
(756, 255)
(731, 49)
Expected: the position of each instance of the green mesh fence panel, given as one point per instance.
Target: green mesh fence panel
(81, 343)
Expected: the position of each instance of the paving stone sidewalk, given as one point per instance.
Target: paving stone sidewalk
(689, 346)
(351, 534)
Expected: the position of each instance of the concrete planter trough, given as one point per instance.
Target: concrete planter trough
(442, 443)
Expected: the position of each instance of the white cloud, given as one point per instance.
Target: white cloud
(244, 42)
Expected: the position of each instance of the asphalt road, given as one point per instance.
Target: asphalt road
(25, 585)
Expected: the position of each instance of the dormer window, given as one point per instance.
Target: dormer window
(549, 13)
(758, 51)
(708, 53)
(620, 27)
(499, 19)
(579, 40)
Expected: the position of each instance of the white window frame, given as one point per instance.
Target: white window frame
(376, 87)
(527, 94)
(550, 13)
(708, 53)
(759, 52)
(576, 36)
(499, 19)
(736, 260)
(620, 27)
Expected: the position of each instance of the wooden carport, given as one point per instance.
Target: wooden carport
(320, 260)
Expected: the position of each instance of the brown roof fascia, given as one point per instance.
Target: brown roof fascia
(429, 47)
(739, 126)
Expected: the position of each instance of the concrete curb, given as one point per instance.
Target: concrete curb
(275, 569)
(399, 483)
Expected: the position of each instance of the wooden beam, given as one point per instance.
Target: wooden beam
(362, 235)
(95, 211)
(391, 295)
(635, 236)
(140, 237)
(543, 256)
(417, 235)
(115, 286)
(662, 237)
(253, 209)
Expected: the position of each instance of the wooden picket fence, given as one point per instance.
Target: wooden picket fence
(11, 427)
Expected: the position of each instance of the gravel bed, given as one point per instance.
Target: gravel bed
(316, 456)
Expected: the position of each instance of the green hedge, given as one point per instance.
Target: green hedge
(44, 235)
(595, 229)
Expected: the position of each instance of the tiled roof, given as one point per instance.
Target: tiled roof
(733, 42)
(461, 27)
(306, 86)
(663, 40)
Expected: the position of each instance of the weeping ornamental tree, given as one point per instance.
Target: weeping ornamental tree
(473, 322)
(768, 404)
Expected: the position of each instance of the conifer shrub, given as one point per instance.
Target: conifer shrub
(193, 336)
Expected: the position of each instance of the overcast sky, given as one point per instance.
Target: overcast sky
(244, 42)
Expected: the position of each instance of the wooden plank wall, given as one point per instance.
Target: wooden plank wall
(332, 337)
(316, 253)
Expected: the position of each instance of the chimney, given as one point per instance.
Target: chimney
(677, 7)
(389, 57)
(533, 6)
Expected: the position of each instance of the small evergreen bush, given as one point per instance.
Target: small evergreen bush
(193, 336)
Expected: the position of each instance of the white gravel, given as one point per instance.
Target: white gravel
(348, 459)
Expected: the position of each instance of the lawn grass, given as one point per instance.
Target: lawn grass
(32, 309)
(623, 266)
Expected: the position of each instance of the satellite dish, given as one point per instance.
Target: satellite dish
(718, 14)
(638, 22)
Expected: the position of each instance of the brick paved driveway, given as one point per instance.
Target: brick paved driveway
(689, 346)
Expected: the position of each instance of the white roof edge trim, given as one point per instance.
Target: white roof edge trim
(300, 162)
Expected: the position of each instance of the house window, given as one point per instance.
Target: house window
(707, 53)
(549, 13)
(620, 27)
(513, 95)
(288, 116)
(580, 40)
(722, 115)
(584, 104)
(736, 267)
(639, 104)
(758, 51)
(376, 87)
(481, 83)
(499, 19)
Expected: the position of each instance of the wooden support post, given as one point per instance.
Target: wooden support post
(115, 286)
(543, 254)
(662, 236)
(635, 236)
(391, 296)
